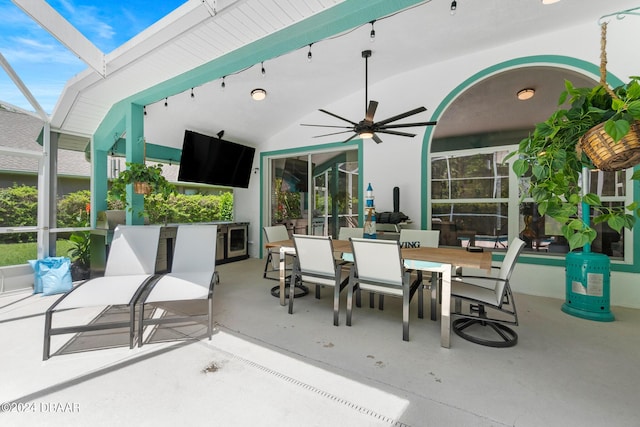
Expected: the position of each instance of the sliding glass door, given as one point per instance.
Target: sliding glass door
(314, 193)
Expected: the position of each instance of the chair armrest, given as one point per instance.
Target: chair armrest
(493, 279)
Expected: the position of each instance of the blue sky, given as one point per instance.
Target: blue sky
(45, 65)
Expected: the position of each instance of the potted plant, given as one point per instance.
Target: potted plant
(554, 155)
(147, 178)
(80, 254)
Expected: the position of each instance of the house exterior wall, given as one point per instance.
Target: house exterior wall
(400, 162)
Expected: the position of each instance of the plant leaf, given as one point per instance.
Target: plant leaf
(634, 108)
(616, 222)
(591, 199)
(617, 129)
(520, 167)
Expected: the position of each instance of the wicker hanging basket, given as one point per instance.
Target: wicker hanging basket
(608, 155)
(142, 188)
(604, 152)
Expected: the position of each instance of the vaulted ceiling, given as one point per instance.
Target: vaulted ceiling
(192, 49)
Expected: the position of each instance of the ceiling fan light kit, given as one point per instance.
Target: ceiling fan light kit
(367, 128)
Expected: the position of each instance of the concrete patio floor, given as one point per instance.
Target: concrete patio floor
(265, 367)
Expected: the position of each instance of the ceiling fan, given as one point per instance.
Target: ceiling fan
(367, 128)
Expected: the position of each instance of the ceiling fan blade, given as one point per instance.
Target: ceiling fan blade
(327, 126)
(333, 133)
(338, 117)
(393, 132)
(350, 138)
(373, 105)
(405, 125)
(402, 116)
(376, 138)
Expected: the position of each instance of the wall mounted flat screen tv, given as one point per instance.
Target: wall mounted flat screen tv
(211, 160)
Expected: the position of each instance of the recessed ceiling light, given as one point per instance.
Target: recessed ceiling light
(525, 94)
(258, 94)
(550, 1)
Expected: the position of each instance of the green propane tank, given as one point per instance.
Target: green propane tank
(588, 286)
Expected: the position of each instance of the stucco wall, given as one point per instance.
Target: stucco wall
(398, 162)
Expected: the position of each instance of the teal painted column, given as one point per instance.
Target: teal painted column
(134, 125)
(99, 184)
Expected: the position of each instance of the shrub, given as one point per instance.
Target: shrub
(182, 208)
(18, 207)
(74, 209)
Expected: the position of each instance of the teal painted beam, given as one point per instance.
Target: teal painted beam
(155, 152)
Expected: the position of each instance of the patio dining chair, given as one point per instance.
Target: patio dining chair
(410, 238)
(379, 268)
(315, 263)
(274, 233)
(129, 268)
(344, 234)
(277, 233)
(484, 292)
(192, 277)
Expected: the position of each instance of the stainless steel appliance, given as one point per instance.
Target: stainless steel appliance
(237, 241)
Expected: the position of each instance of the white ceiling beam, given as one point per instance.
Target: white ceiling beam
(23, 88)
(64, 32)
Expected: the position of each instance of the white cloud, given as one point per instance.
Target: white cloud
(37, 51)
(89, 21)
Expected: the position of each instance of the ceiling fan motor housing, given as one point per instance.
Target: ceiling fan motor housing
(367, 128)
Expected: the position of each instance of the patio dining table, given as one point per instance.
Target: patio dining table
(434, 260)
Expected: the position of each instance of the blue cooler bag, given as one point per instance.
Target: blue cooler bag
(52, 275)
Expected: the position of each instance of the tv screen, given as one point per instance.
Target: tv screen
(211, 160)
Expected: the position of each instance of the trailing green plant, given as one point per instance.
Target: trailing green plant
(549, 160)
(141, 172)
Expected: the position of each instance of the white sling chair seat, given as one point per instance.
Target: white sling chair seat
(492, 292)
(130, 266)
(192, 275)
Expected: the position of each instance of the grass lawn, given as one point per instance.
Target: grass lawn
(20, 253)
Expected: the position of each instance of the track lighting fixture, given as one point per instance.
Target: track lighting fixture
(166, 102)
(223, 84)
(192, 94)
(372, 34)
(263, 71)
(454, 7)
(309, 55)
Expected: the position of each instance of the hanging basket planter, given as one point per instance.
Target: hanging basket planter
(142, 188)
(608, 155)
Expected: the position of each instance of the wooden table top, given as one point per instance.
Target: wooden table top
(454, 256)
